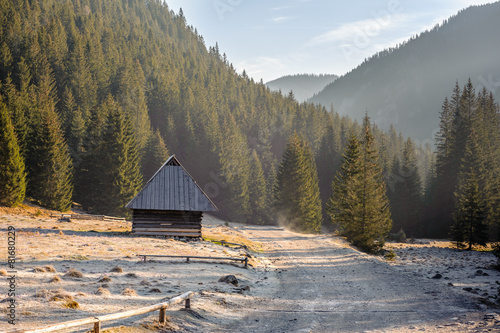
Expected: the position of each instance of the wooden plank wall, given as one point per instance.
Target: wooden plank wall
(166, 223)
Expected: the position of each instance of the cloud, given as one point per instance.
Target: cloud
(368, 28)
(280, 19)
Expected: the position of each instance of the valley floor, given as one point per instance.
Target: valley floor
(299, 283)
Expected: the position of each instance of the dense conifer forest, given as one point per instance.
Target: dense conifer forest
(95, 94)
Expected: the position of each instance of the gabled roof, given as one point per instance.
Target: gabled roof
(172, 188)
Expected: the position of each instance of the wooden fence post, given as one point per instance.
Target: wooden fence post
(163, 316)
(97, 327)
(188, 303)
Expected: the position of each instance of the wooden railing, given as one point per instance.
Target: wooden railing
(88, 217)
(120, 315)
(243, 260)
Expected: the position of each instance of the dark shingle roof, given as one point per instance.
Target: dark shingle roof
(172, 188)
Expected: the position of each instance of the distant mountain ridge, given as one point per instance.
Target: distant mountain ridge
(304, 86)
(406, 85)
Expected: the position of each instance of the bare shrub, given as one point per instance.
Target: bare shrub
(39, 270)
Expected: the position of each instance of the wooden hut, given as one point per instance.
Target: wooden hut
(170, 204)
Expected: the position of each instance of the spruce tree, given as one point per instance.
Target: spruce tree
(343, 204)
(118, 169)
(257, 192)
(12, 175)
(328, 162)
(469, 213)
(406, 203)
(469, 216)
(359, 203)
(296, 192)
(50, 177)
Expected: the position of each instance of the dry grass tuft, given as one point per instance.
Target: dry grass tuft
(155, 290)
(3, 272)
(103, 292)
(44, 293)
(61, 233)
(145, 283)
(54, 295)
(105, 279)
(60, 295)
(117, 269)
(39, 270)
(131, 275)
(50, 268)
(129, 292)
(74, 274)
(55, 279)
(217, 235)
(80, 294)
(71, 304)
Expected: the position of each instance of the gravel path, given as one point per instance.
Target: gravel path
(326, 286)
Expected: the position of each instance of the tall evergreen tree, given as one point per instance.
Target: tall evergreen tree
(297, 191)
(343, 204)
(50, 168)
(406, 199)
(328, 162)
(12, 175)
(359, 203)
(118, 170)
(469, 226)
(257, 192)
(469, 213)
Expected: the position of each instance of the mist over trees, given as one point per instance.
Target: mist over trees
(96, 94)
(82, 62)
(405, 84)
(304, 86)
(297, 197)
(465, 190)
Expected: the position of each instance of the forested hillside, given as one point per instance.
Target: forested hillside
(304, 86)
(405, 85)
(100, 92)
(96, 94)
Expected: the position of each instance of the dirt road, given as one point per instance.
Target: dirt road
(325, 286)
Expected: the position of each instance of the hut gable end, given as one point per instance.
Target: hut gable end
(172, 189)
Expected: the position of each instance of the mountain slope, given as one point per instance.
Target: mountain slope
(407, 85)
(303, 86)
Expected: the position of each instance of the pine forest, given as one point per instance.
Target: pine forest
(96, 94)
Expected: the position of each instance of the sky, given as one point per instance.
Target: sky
(272, 38)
